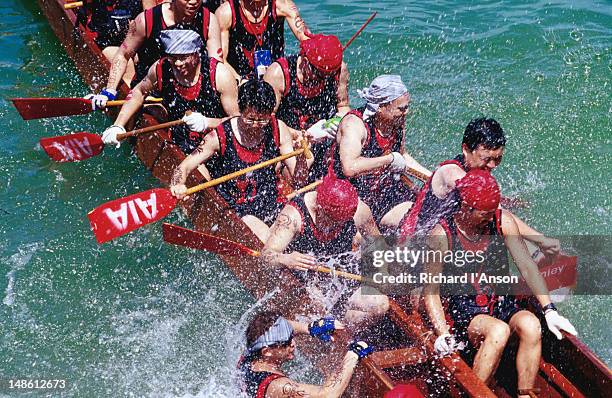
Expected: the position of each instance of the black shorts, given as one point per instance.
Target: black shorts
(463, 309)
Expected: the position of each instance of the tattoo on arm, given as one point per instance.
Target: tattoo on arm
(291, 390)
(177, 176)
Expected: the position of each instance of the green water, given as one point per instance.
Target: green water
(138, 317)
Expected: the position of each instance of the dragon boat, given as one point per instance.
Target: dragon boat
(404, 341)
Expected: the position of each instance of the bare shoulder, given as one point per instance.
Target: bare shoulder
(224, 15)
(286, 8)
(274, 74)
(437, 239)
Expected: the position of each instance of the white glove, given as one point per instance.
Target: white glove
(196, 121)
(109, 137)
(98, 101)
(398, 164)
(318, 132)
(445, 344)
(556, 323)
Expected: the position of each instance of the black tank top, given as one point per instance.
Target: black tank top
(495, 262)
(296, 109)
(311, 241)
(245, 38)
(374, 186)
(428, 209)
(255, 193)
(151, 49)
(255, 384)
(178, 99)
(108, 20)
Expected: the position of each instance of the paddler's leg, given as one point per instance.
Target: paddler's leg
(528, 330)
(258, 227)
(109, 53)
(365, 309)
(392, 219)
(490, 336)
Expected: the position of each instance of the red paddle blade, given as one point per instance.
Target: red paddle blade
(72, 147)
(202, 241)
(120, 216)
(37, 108)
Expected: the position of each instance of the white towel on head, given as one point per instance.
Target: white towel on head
(383, 89)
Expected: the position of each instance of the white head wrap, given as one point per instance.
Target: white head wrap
(280, 332)
(180, 42)
(384, 89)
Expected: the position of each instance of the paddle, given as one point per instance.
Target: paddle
(83, 145)
(348, 43)
(202, 241)
(37, 108)
(75, 4)
(120, 216)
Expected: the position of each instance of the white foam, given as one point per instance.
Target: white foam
(17, 262)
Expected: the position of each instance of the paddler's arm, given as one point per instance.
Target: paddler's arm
(207, 148)
(136, 36)
(224, 19)
(343, 105)
(549, 246)
(525, 264)
(413, 164)
(297, 165)
(333, 387)
(365, 222)
(288, 9)
(288, 224)
(276, 78)
(351, 135)
(445, 178)
(213, 43)
(228, 89)
(436, 241)
(139, 93)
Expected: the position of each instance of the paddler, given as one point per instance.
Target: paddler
(107, 22)
(143, 41)
(253, 137)
(270, 344)
(482, 148)
(186, 80)
(311, 88)
(482, 313)
(370, 151)
(256, 29)
(327, 223)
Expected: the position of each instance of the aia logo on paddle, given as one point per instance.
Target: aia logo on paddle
(74, 149)
(130, 212)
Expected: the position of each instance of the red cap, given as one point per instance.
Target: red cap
(337, 198)
(324, 52)
(479, 190)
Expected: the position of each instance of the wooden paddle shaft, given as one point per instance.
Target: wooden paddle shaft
(121, 102)
(417, 174)
(305, 188)
(122, 136)
(305, 150)
(75, 4)
(348, 43)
